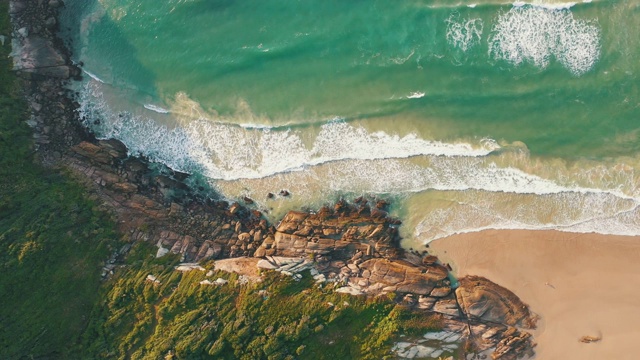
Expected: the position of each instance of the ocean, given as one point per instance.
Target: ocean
(468, 115)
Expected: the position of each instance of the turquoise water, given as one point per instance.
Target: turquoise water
(470, 114)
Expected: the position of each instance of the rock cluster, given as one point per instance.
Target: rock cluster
(149, 210)
(357, 248)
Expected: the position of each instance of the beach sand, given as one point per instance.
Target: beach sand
(579, 284)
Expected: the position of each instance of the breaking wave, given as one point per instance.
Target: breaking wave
(536, 35)
(229, 151)
(596, 212)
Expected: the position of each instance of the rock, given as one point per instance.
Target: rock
(513, 345)
(481, 299)
(114, 148)
(260, 252)
(247, 200)
(38, 56)
(2, 39)
(381, 204)
(93, 152)
(429, 260)
(590, 339)
(441, 291)
(448, 306)
(220, 281)
(50, 22)
(291, 221)
(404, 276)
(36, 106)
(16, 7)
(162, 252)
(378, 213)
(284, 193)
(490, 333)
(24, 32)
(234, 208)
(184, 267)
(265, 264)
(425, 302)
(349, 290)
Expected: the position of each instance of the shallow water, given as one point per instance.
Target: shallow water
(469, 114)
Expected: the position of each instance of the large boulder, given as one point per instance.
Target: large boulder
(37, 55)
(404, 277)
(484, 300)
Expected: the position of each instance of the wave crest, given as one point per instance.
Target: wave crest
(536, 35)
(229, 151)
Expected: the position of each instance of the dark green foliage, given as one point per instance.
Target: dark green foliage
(52, 242)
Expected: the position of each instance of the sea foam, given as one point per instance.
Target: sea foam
(573, 212)
(534, 34)
(229, 151)
(93, 76)
(156, 108)
(464, 34)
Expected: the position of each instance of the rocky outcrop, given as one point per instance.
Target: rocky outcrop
(480, 299)
(354, 245)
(358, 250)
(36, 51)
(149, 210)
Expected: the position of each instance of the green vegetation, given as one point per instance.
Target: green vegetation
(277, 318)
(52, 241)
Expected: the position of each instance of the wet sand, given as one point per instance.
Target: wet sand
(579, 284)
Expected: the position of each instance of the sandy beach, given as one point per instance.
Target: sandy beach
(579, 284)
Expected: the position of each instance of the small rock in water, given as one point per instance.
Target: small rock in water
(247, 200)
(234, 208)
(284, 193)
(270, 196)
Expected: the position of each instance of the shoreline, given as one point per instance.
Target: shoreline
(578, 284)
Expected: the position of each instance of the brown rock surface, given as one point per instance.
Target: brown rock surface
(482, 299)
(406, 278)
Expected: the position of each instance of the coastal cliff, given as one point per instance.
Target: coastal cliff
(354, 246)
